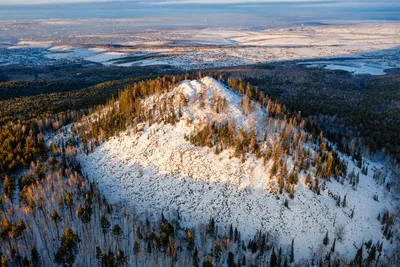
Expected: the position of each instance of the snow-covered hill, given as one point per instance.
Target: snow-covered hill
(158, 170)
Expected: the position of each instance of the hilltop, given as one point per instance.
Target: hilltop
(160, 165)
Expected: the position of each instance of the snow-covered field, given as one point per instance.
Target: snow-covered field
(207, 48)
(354, 66)
(157, 171)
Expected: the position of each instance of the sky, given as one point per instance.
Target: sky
(240, 12)
(341, 2)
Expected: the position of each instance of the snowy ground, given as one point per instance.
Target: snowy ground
(360, 66)
(158, 171)
(207, 48)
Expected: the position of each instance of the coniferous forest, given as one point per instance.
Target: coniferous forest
(52, 213)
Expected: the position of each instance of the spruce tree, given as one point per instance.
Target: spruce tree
(292, 252)
(344, 202)
(273, 262)
(211, 227)
(326, 239)
(333, 245)
(231, 260)
(371, 254)
(358, 259)
(98, 252)
(286, 203)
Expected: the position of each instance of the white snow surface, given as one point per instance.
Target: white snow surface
(156, 171)
(354, 66)
(375, 43)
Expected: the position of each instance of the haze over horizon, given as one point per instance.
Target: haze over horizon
(335, 2)
(250, 13)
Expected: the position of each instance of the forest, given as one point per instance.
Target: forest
(52, 214)
(364, 108)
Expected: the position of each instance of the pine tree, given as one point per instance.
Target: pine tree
(56, 219)
(21, 226)
(79, 211)
(105, 224)
(88, 204)
(69, 201)
(13, 252)
(274, 168)
(60, 202)
(98, 252)
(121, 259)
(217, 251)
(35, 257)
(9, 187)
(136, 250)
(285, 263)
(109, 259)
(4, 262)
(85, 216)
(208, 263)
(280, 256)
(69, 247)
(189, 240)
(344, 202)
(26, 262)
(316, 185)
(6, 228)
(149, 246)
(196, 258)
(117, 231)
(308, 180)
(236, 235)
(328, 166)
